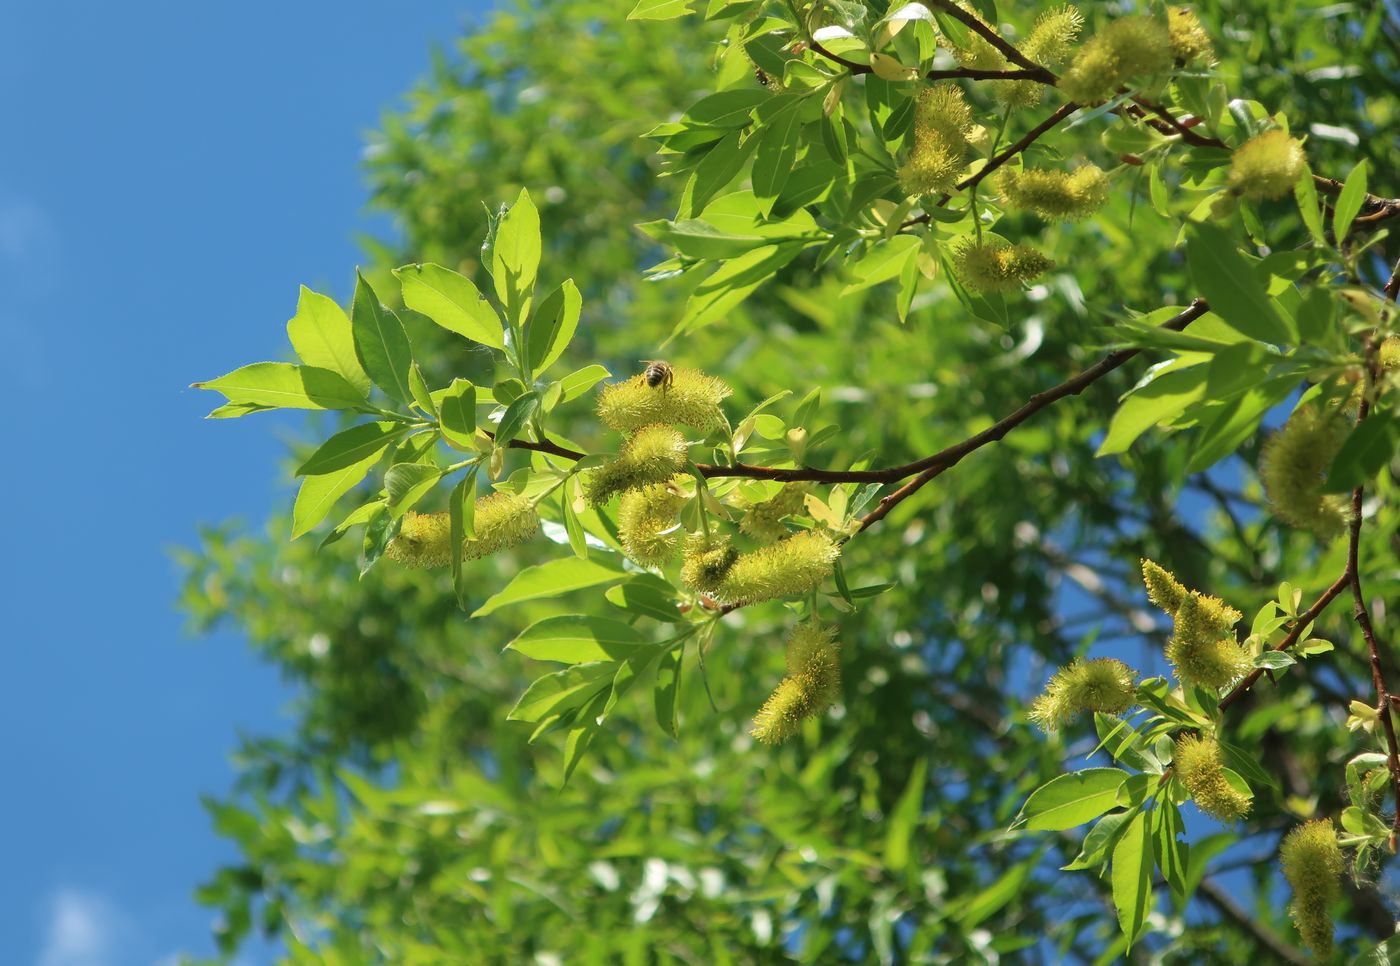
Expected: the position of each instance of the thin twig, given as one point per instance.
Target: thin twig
(1008, 50)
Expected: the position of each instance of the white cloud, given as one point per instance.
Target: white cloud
(84, 929)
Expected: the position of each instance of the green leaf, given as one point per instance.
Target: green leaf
(452, 301)
(381, 342)
(552, 579)
(517, 417)
(515, 260)
(581, 736)
(380, 528)
(1161, 399)
(457, 414)
(552, 326)
(562, 690)
(1170, 850)
(668, 683)
(995, 896)
(1131, 873)
(1237, 420)
(904, 818)
(576, 639)
(577, 383)
(351, 446)
(1349, 202)
(700, 239)
(1229, 284)
(281, 385)
(731, 108)
(717, 168)
(1097, 845)
(659, 10)
(885, 260)
(1386, 953)
(318, 494)
(461, 516)
(407, 483)
(1306, 194)
(320, 333)
(1367, 449)
(578, 537)
(777, 149)
(732, 283)
(1072, 799)
(646, 595)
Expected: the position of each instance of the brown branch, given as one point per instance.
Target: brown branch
(1305, 621)
(1008, 50)
(960, 73)
(945, 459)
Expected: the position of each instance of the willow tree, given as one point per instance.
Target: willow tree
(892, 446)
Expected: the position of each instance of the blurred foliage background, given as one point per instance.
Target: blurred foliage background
(404, 820)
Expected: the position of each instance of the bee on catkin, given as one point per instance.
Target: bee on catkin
(683, 397)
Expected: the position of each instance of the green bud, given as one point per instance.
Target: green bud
(1101, 684)
(995, 265)
(1292, 468)
(653, 454)
(1200, 769)
(690, 399)
(1268, 165)
(812, 685)
(1126, 48)
(1312, 863)
(1055, 195)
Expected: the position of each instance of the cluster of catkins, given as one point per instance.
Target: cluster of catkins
(649, 475)
(1126, 51)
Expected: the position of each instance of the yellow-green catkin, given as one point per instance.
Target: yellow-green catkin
(763, 520)
(975, 53)
(1099, 684)
(1203, 648)
(942, 121)
(1129, 47)
(994, 265)
(502, 520)
(1268, 165)
(1049, 45)
(653, 454)
(1200, 769)
(646, 523)
(1163, 589)
(784, 569)
(424, 541)
(1313, 865)
(708, 560)
(812, 684)
(1055, 195)
(1292, 465)
(1191, 44)
(692, 398)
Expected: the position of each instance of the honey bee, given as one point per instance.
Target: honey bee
(659, 373)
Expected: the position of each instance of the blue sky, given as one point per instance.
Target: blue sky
(172, 171)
